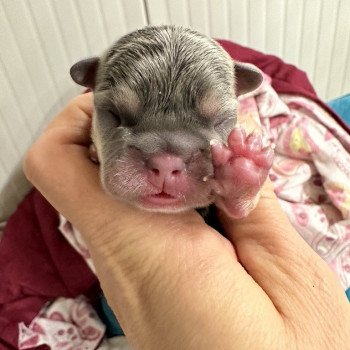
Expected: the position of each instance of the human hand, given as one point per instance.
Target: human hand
(174, 282)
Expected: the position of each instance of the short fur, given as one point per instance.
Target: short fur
(162, 90)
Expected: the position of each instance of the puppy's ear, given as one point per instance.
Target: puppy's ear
(84, 72)
(248, 78)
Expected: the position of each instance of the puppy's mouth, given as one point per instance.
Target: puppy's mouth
(161, 199)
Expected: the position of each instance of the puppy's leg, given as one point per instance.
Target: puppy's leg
(240, 170)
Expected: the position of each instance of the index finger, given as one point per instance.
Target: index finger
(78, 111)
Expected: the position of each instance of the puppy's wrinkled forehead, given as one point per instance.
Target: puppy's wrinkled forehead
(165, 68)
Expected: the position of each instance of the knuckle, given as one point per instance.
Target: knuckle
(76, 100)
(73, 104)
(29, 163)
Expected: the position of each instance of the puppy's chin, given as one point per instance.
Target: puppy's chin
(177, 206)
(163, 210)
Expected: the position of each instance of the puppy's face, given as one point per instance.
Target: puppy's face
(161, 95)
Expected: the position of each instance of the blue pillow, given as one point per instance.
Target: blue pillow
(107, 316)
(341, 106)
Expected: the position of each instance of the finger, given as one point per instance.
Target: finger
(59, 159)
(84, 102)
(277, 258)
(73, 124)
(76, 132)
(80, 108)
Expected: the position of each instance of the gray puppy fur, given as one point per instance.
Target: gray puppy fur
(162, 90)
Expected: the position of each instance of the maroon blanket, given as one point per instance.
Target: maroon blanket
(37, 264)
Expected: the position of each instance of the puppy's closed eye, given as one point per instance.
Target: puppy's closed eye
(116, 117)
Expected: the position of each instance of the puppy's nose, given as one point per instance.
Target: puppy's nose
(166, 165)
(165, 168)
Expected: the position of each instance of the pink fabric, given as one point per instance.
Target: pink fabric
(75, 239)
(67, 324)
(311, 171)
(286, 78)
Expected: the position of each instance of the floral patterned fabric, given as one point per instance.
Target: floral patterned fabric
(67, 324)
(311, 171)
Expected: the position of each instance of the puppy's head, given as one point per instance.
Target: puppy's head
(161, 94)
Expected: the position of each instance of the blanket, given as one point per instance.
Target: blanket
(42, 267)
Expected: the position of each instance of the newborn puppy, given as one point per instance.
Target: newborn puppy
(165, 120)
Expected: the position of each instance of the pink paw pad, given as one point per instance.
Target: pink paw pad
(240, 170)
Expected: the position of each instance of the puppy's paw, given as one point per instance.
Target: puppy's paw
(240, 170)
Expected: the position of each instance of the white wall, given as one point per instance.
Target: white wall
(40, 39)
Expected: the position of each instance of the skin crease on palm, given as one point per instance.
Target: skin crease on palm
(174, 282)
